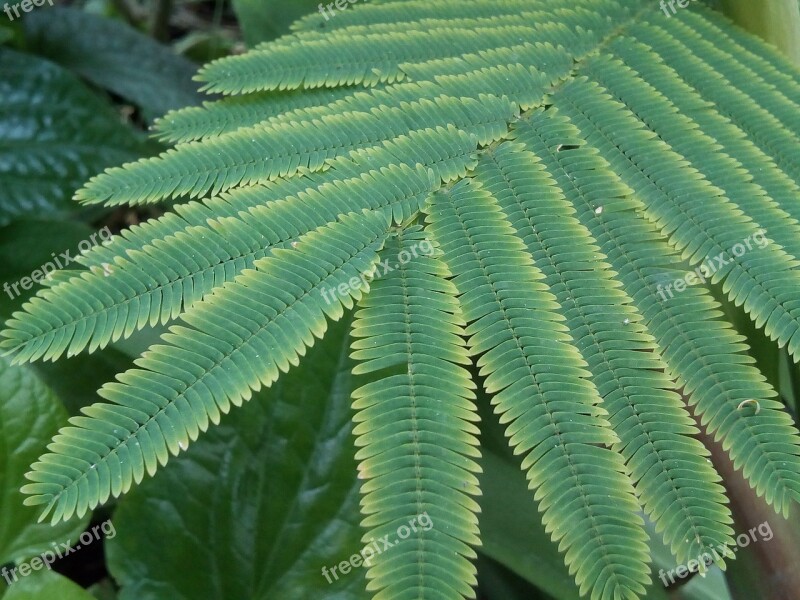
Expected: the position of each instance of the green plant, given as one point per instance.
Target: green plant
(567, 161)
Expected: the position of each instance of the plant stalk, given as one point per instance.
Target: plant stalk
(777, 21)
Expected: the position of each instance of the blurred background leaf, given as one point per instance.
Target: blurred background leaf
(777, 21)
(46, 585)
(30, 414)
(54, 134)
(100, 51)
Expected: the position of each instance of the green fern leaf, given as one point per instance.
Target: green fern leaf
(668, 186)
(765, 59)
(234, 343)
(541, 388)
(249, 157)
(670, 467)
(229, 114)
(755, 183)
(448, 153)
(752, 114)
(415, 11)
(117, 296)
(574, 161)
(704, 355)
(354, 60)
(409, 337)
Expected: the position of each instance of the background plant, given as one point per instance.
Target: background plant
(452, 154)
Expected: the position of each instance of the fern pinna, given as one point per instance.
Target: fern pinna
(566, 162)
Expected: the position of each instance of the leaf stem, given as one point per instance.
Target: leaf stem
(777, 21)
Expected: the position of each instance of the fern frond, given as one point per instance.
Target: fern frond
(351, 59)
(249, 157)
(410, 13)
(223, 237)
(446, 151)
(763, 282)
(540, 388)
(705, 356)
(578, 27)
(229, 114)
(355, 61)
(761, 126)
(754, 183)
(543, 57)
(686, 136)
(774, 66)
(521, 73)
(749, 80)
(409, 336)
(235, 342)
(669, 467)
(587, 17)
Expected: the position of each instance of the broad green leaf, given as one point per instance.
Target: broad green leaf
(101, 51)
(29, 416)
(496, 582)
(258, 505)
(54, 134)
(46, 585)
(512, 533)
